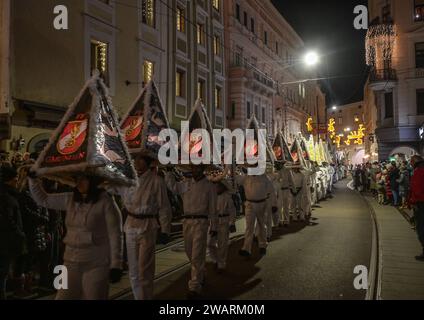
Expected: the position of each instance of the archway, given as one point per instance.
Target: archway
(358, 157)
(38, 143)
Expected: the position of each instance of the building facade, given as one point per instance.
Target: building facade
(395, 54)
(196, 60)
(4, 72)
(348, 120)
(263, 54)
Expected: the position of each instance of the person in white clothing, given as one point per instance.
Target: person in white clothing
(146, 205)
(218, 246)
(258, 190)
(200, 215)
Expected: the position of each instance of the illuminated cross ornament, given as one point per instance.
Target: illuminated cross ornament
(331, 128)
(358, 136)
(309, 125)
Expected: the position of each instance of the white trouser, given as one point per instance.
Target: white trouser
(277, 216)
(255, 212)
(195, 233)
(297, 205)
(218, 246)
(86, 281)
(307, 201)
(141, 261)
(287, 201)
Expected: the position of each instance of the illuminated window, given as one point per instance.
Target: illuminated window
(148, 71)
(217, 45)
(100, 58)
(201, 89)
(148, 12)
(216, 4)
(419, 10)
(180, 20)
(180, 83)
(200, 34)
(218, 98)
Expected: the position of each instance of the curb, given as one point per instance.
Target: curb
(376, 261)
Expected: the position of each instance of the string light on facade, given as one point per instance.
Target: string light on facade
(380, 38)
(309, 125)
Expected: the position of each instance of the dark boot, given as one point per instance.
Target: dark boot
(421, 257)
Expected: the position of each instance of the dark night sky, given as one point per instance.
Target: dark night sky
(327, 26)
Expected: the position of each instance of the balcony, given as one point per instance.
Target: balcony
(256, 79)
(383, 79)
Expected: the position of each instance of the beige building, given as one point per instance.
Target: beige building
(348, 120)
(264, 59)
(395, 53)
(50, 66)
(196, 63)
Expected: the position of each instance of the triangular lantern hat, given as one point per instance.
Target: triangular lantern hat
(144, 121)
(193, 143)
(297, 154)
(88, 140)
(281, 149)
(253, 149)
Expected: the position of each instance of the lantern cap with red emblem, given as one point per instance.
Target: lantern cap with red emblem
(144, 121)
(88, 140)
(281, 149)
(297, 155)
(252, 146)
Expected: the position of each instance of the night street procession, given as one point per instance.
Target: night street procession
(233, 151)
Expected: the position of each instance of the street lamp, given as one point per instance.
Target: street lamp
(334, 108)
(311, 58)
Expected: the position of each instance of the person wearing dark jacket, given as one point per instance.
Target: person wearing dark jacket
(416, 199)
(12, 237)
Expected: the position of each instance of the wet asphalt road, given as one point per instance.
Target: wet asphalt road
(303, 262)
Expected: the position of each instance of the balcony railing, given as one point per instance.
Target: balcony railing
(257, 74)
(388, 74)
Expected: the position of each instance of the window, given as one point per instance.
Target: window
(388, 105)
(420, 102)
(233, 110)
(340, 121)
(419, 55)
(180, 20)
(148, 12)
(218, 98)
(256, 111)
(263, 116)
(245, 18)
(201, 89)
(180, 84)
(216, 4)
(200, 34)
(248, 110)
(238, 12)
(276, 47)
(419, 10)
(148, 71)
(252, 25)
(266, 38)
(217, 45)
(99, 59)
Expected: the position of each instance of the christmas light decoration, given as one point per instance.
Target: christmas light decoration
(331, 128)
(380, 39)
(309, 125)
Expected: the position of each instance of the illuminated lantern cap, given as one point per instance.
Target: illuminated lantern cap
(281, 149)
(297, 154)
(144, 122)
(88, 140)
(198, 120)
(253, 146)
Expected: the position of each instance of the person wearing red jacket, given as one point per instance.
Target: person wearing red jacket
(416, 199)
